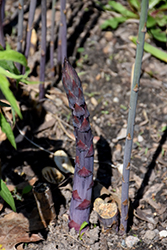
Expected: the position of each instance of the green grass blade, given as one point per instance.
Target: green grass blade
(159, 35)
(113, 22)
(135, 4)
(4, 86)
(122, 10)
(5, 126)
(152, 50)
(6, 195)
(14, 76)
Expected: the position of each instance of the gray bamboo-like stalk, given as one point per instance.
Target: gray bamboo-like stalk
(62, 40)
(52, 38)
(30, 26)
(2, 8)
(131, 117)
(43, 51)
(20, 29)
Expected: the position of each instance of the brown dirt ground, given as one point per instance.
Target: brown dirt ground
(104, 67)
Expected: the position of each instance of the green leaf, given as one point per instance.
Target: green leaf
(153, 3)
(121, 9)
(159, 35)
(150, 21)
(5, 126)
(26, 189)
(6, 195)
(152, 50)
(113, 22)
(80, 50)
(11, 75)
(161, 20)
(27, 81)
(11, 55)
(8, 65)
(84, 224)
(4, 86)
(135, 4)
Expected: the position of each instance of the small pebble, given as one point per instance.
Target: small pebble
(131, 241)
(163, 233)
(116, 99)
(140, 138)
(149, 235)
(108, 35)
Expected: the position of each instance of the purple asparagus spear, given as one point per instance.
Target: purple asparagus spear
(83, 176)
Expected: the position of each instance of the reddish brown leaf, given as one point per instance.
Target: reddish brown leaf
(85, 126)
(90, 151)
(84, 172)
(83, 205)
(72, 98)
(76, 122)
(78, 111)
(76, 196)
(91, 185)
(72, 224)
(81, 146)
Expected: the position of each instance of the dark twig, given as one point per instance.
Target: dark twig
(62, 41)
(52, 38)
(43, 52)
(2, 14)
(20, 29)
(30, 26)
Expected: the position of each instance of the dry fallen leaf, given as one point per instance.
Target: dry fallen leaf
(14, 229)
(63, 162)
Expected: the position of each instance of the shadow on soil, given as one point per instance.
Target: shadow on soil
(145, 181)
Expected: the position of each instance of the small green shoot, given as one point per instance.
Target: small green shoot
(106, 112)
(123, 107)
(6, 195)
(26, 189)
(162, 152)
(146, 150)
(84, 225)
(164, 128)
(80, 50)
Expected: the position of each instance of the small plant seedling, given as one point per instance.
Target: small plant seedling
(164, 128)
(26, 189)
(83, 225)
(105, 112)
(146, 150)
(123, 107)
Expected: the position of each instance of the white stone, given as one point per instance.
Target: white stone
(131, 241)
(115, 99)
(163, 233)
(140, 138)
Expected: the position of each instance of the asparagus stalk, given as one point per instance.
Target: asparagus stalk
(131, 117)
(30, 26)
(20, 29)
(62, 41)
(52, 38)
(43, 51)
(2, 11)
(83, 175)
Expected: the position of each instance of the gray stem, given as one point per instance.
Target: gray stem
(131, 117)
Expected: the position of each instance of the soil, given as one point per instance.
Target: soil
(104, 66)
